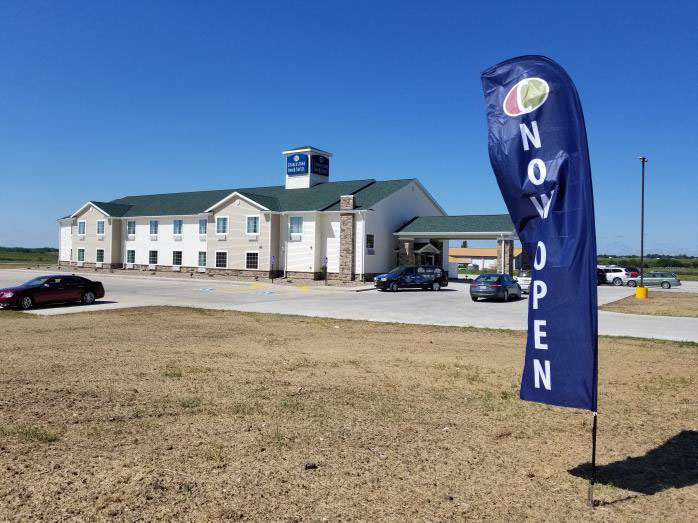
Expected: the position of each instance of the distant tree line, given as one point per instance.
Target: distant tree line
(651, 260)
(39, 250)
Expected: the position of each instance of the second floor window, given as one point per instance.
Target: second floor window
(222, 225)
(153, 226)
(253, 225)
(81, 227)
(100, 226)
(203, 226)
(131, 228)
(177, 226)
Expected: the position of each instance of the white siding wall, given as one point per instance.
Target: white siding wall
(301, 253)
(65, 240)
(237, 242)
(331, 241)
(190, 245)
(389, 215)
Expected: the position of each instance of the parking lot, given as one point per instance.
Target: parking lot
(451, 306)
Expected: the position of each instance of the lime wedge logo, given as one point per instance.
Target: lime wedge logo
(526, 96)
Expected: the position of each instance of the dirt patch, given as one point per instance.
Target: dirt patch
(166, 413)
(659, 303)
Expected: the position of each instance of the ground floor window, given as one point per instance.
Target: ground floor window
(153, 257)
(100, 255)
(222, 259)
(81, 255)
(252, 260)
(202, 258)
(130, 256)
(176, 257)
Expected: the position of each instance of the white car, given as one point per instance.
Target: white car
(524, 280)
(616, 275)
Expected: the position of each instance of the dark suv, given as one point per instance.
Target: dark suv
(427, 277)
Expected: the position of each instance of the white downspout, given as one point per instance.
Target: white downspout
(502, 267)
(286, 249)
(363, 249)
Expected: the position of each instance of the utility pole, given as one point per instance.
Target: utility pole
(643, 161)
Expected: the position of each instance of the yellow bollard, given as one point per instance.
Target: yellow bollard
(641, 293)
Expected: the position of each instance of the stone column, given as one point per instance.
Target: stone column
(346, 239)
(406, 255)
(505, 249)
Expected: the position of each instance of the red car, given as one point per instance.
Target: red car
(59, 288)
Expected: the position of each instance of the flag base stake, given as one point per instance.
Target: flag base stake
(592, 479)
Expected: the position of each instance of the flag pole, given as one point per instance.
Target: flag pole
(592, 479)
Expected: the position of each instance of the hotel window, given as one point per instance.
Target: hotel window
(100, 226)
(222, 259)
(202, 258)
(100, 255)
(153, 226)
(130, 227)
(253, 225)
(153, 257)
(222, 225)
(203, 226)
(177, 226)
(81, 255)
(295, 225)
(176, 257)
(369, 241)
(130, 256)
(81, 227)
(252, 260)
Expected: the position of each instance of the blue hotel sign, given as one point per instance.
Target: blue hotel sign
(297, 164)
(320, 165)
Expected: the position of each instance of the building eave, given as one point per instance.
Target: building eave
(241, 196)
(87, 205)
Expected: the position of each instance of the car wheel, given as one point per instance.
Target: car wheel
(435, 286)
(88, 298)
(632, 283)
(393, 287)
(666, 285)
(617, 282)
(474, 298)
(25, 303)
(506, 295)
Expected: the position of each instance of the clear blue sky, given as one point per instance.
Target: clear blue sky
(104, 99)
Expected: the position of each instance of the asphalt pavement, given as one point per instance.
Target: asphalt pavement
(450, 306)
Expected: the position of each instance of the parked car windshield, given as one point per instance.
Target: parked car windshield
(488, 277)
(397, 270)
(35, 281)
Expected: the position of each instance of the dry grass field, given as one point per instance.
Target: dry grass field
(659, 303)
(166, 413)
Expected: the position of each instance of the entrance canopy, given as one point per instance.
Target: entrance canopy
(435, 230)
(466, 227)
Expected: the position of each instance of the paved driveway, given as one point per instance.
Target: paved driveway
(451, 306)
